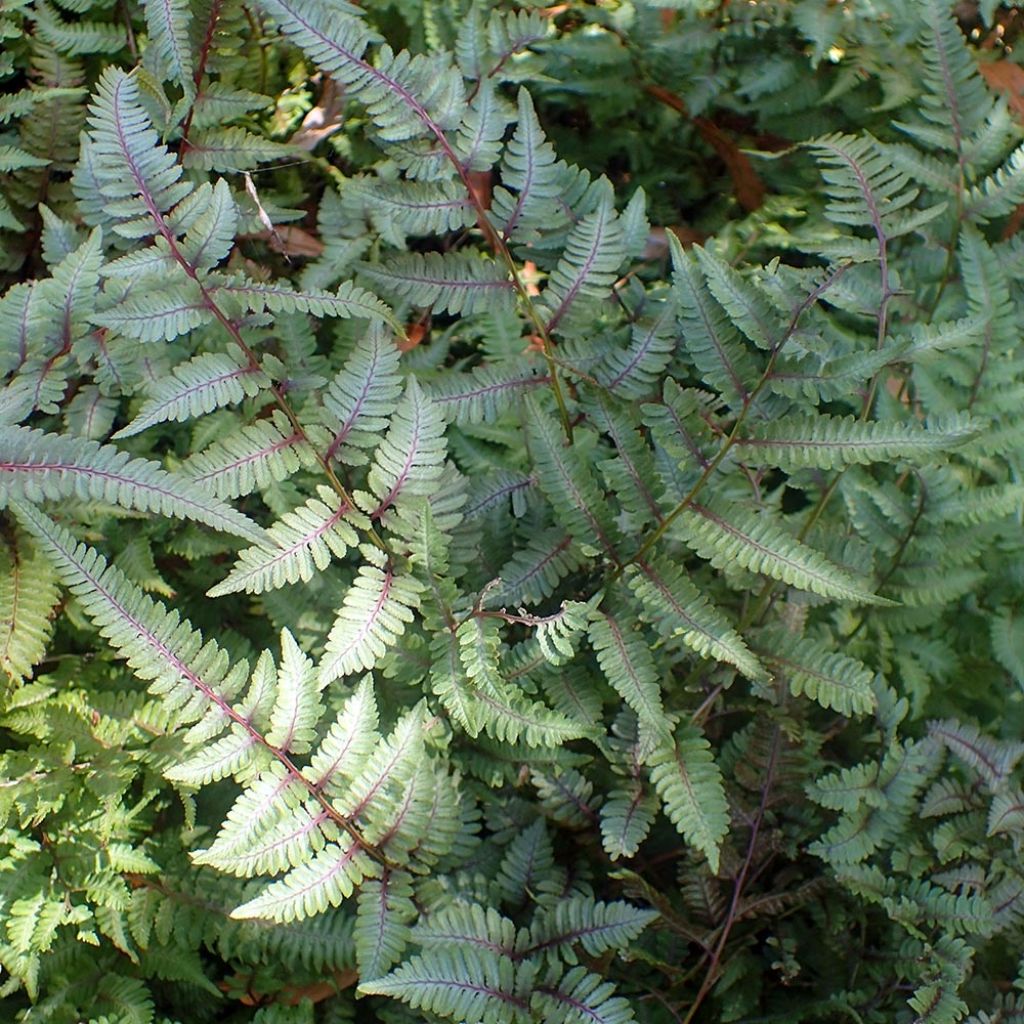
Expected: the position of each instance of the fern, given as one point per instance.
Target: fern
(455, 283)
(168, 24)
(136, 176)
(677, 608)
(727, 537)
(254, 456)
(373, 615)
(207, 382)
(28, 597)
(40, 466)
(459, 985)
(690, 785)
(357, 402)
(300, 545)
(829, 442)
(547, 514)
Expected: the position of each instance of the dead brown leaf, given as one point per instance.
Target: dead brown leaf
(1008, 78)
(323, 120)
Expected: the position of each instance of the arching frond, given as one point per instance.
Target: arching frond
(829, 442)
(209, 381)
(359, 399)
(568, 482)
(253, 457)
(38, 466)
(728, 535)
(374, 613)
(134, 173)
(458, 282)
(628, 665)
(675, 607)
(168, 23)
(28, 596)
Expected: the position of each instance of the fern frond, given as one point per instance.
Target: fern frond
(159, 646)
(409, 461)
(864, 189)
(679, 425)
(348, 743)
(988, 294)
(513, 719)
(675, 607)
(168, 23)
(831, 442)
(68, 297)
(631, 373)
(407, 97)
(581, 998)
(1007, 633)
(469, 924)
(388, 771)
(532, 179)
(37, 466)
(298, 546)
(628, 665)
(535, 570)
(594, 251)
(255, 456)
(208, 381)
(414, 207)
(1000, 192)
(361, 397)
(14, 159)
(709, 336)
(374, 613)
(568, 482)
(210, 227)
(456, 282)
(956, 99)
(330, 877)
(834, 680)
(464, 985)
(728, 535)
(992, 759)
(28, 596)
(483, 395)
(596, 926)
(297, 708)
(468, 680)
(747, 307)
(77, 39)
(630, 474)
(478, 140)
(160, 314)
(231, 150)
(689, 783)
(348, 301)
(134, 173)
(848, 788)
(384, 910)
(626, 819)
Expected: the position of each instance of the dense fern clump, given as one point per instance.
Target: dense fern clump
(511, 513)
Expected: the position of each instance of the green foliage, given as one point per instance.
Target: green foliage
(510, 514)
